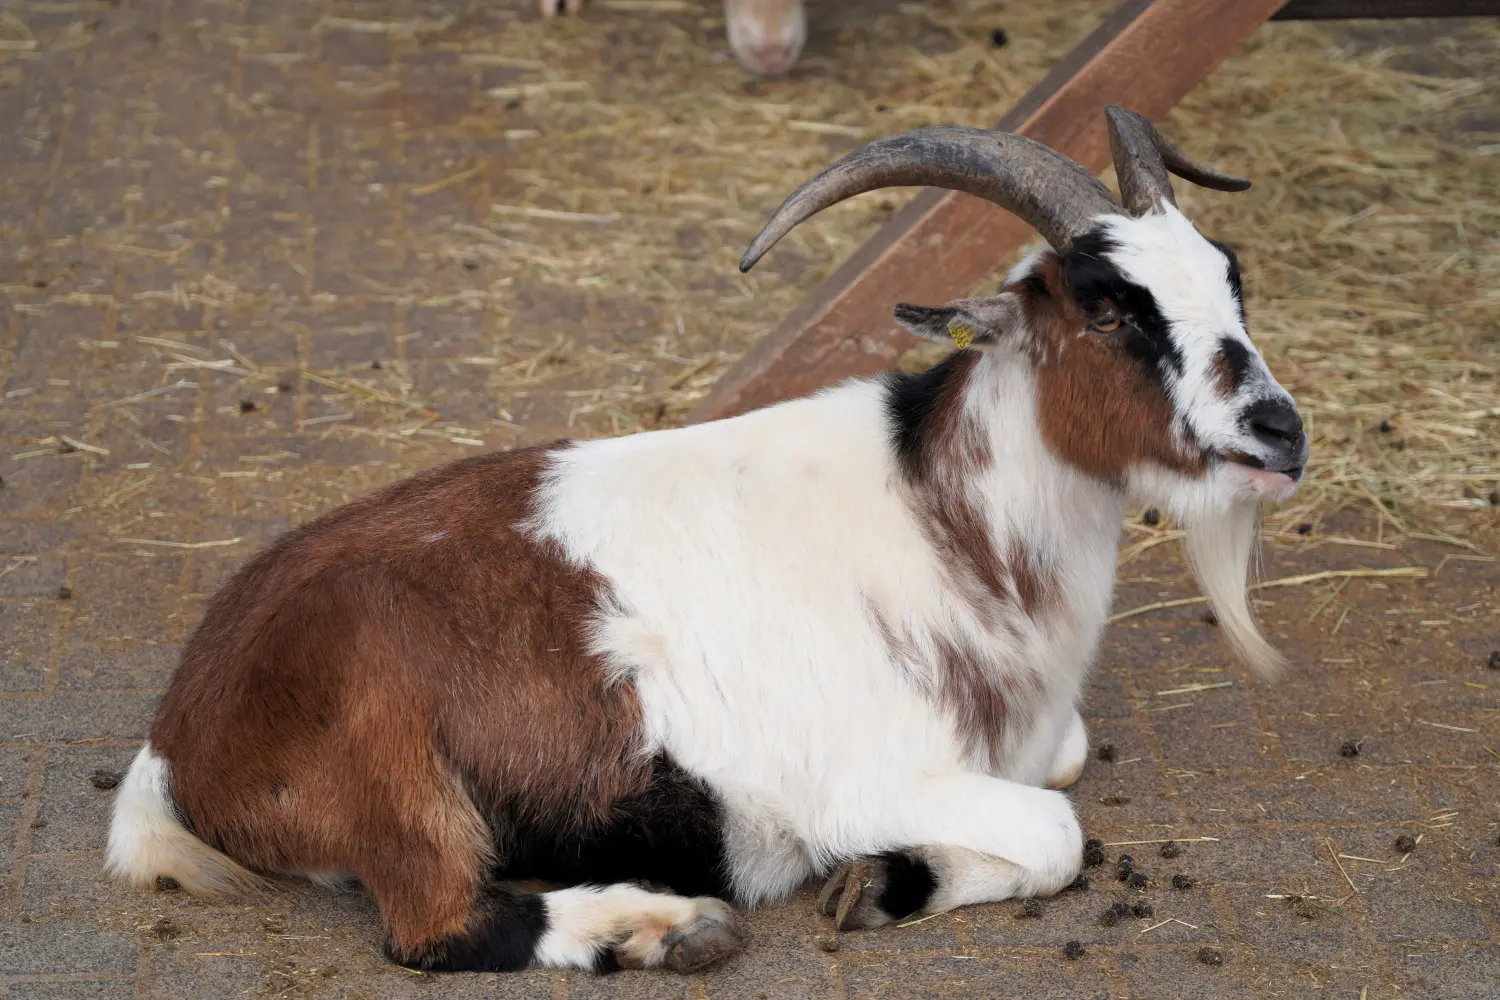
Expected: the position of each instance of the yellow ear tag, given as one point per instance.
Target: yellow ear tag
(962, 334)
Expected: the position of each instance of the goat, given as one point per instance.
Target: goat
(844, 635)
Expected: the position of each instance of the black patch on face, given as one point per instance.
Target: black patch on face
(503, 933)
(1235, 284)
(1236, 358)
(1093, 279)
(911, 401)
(909, 884)
(671, 833)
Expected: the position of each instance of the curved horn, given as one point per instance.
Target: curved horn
(1142, 158)
(1053, 194)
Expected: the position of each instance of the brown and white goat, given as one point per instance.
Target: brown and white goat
(841, 636)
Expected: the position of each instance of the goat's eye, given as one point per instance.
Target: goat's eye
(1108, 320)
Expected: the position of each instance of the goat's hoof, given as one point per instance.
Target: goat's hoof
(704, 942)
(851, 896)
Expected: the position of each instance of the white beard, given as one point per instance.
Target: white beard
(1220, 514)
(1219, 546)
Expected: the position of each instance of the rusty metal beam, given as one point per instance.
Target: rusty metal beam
(1145, 56)
(1329, 10)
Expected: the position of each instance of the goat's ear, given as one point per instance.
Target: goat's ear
(964, 322)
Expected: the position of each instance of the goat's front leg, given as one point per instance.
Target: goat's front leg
(1072, 752)
(975, 839)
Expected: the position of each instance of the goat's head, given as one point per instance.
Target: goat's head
(1133, 323)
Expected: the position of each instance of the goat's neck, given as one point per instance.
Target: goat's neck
(1068, 523)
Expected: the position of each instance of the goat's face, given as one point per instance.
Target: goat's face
(1146, 377)
(1166, 306)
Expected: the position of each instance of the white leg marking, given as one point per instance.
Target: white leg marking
(1033, 829)
(640, 926)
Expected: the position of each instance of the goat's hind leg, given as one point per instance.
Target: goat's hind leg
(599, 928)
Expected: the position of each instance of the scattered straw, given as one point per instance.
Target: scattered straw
(162, 543)
(1192, 688)
(1439, 725)
(1406, 572)
(1328, 841)
(78, 445)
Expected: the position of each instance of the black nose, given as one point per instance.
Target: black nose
(1276, 424)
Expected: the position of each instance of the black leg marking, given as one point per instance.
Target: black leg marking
(909, 884)
(671, 833)
(877, 890)
(505, 929)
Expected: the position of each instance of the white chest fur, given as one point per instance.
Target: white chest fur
(752, 563)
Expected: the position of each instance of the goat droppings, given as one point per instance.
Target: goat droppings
(1406, 843)
(1142, 910)
(1073, 950)
(64, 593)
(247, 406)
(1182, 882)
(1303, 907)
(1138, 880)
(1030, 910)
(1349, 749)
(1109, 917)
(166, 883)
(1493, 663)
(1152, 516)
(1079, 884)
(999, 38)
(1170, 849)
(105, 780)
(1107, 753)
(1210, 956)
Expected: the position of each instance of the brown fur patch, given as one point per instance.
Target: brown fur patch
(1098, 410)
(354, 688)
(1225, 380)
(976, 693)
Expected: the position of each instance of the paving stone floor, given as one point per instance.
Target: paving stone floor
(185, 225)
